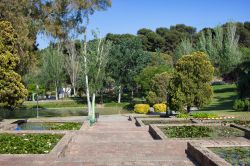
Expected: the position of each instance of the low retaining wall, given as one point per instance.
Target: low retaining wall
(138, 121)
(156, 132)
(245, 129)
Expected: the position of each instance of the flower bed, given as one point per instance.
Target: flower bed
(234, 155)
(28, 143)
(201, 131)
(49, 126)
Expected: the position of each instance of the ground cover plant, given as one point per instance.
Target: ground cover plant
(50, 126)
(201, 132)
(234, 155)
(148, 122)
(28, 143)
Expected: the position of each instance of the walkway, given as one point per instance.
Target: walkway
(113, 141)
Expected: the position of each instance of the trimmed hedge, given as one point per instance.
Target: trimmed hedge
(160, 107)
(204, 115)
(141, 108)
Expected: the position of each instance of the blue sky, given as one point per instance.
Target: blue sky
(127, 16)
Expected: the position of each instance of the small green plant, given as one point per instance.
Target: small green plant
(160, 107)
(28, 143)
(141, 108)
(241, 105)
(204, 115)
(181, 115)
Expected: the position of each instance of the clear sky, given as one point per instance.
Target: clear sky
(127, 16)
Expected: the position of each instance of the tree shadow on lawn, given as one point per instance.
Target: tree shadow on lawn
(225, 90)
(221, 104)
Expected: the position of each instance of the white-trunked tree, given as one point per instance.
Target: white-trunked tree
(72, 64)
(94, 57)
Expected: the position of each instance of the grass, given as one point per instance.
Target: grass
(59, 112)
(222, 102)
(212, 132)
(28, 143)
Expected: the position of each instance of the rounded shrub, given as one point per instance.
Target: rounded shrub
(241, 105)
(141, 108)
(160, 107)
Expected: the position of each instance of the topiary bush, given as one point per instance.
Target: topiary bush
(141, 108)
(160, 107)
(241, 105)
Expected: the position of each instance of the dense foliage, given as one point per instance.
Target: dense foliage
(28, 143)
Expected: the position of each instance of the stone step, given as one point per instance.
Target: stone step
(112, 136)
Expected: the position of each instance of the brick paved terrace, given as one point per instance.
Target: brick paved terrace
(112, 141)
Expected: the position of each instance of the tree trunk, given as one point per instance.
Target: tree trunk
(88, 96)
(101, 99)
(188, 109)
(33, 96)
(56, 93)
(167, 105)
(74, 91)
(119, 94)
(93, 108)
(132, 94)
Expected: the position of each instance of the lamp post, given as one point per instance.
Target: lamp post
(37, 113)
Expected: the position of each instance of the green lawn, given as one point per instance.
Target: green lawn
(222, 103)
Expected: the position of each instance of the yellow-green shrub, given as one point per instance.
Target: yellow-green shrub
(160, 107)
(141, 108)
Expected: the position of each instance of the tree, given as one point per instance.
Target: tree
(159, 91)
(12, 91)
(53, 67)
(72, 64)
(190, 83)
(185, 48)
(63, 18)
(144, 78)
(95, 55)
(127, 59)
(222, 48)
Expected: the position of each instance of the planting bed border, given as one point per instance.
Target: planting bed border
(156, 132)
(199, 151)
(138, 121)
